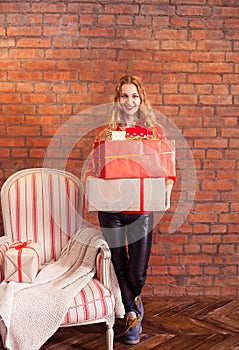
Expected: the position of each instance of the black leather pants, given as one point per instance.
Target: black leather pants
(129, 237)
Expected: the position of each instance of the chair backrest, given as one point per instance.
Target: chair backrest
(43, 205)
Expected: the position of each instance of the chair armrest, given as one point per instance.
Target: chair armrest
(4, 245)
(103, 261)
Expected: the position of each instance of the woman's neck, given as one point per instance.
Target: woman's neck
(130, 120)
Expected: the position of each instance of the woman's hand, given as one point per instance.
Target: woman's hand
(168, 190)
(108, 135)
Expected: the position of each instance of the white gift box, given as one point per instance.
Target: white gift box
(22, 262)
(118, 135)
(131, 194)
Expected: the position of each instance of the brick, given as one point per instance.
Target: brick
(206, 34)
(20, 53)
(22, 31)
(194, 10)
(142, 33)
(219, 164)
(9, 98)
(7, 87)
(124, 20)
(179, 67)
(52, 18)
(33, 142)
(133, 44)
(62, 53)
(200, 132)
(24, 130)
(171, 55)
(200, 78)
(203, 217)
(96, 76)
(183, 45)
(228, 132)
(61, 76)
(18, 109)
(180, 99)
(214, 45)
(4, 54)
(217, 185)
(109, 65)
(211, 143)
(42, 87)
(142, 20)
(17, 7)
(219, 99)
(157, 9)
(110, 19)
(84, 8)
(20, 153)
(73, 98)
(198, 280)
(39, 65)
(198, 259)
(220, 121)
(229, 217)
(230, 11)
(37, 153)
(121, 8)
(100, 32)
(5, 153)
(61, 31)
(12, 142)
(214, 154)
(98, 54)
(38, 98)
(7, 42)
(31, 42)
(69, 20)
(215, 67)
(88, 19)
(207, 56)
(24, 18)
(48, 7)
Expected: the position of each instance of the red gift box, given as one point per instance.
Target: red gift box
(127, 195)
(134, 159)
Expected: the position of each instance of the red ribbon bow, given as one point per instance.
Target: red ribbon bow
(20, 245)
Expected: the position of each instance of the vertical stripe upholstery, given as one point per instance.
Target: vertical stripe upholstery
(36, 202)
(94, 302)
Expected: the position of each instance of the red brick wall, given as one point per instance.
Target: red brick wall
(59, 58)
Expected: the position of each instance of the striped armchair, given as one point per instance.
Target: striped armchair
(44, 205)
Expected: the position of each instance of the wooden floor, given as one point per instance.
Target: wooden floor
(180, 323)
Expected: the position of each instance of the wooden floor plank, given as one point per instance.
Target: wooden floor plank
(181, 323)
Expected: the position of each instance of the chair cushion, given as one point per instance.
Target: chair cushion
(93, 302)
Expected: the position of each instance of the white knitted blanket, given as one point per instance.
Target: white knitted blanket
(31, 313)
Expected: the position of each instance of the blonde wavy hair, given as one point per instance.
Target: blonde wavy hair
(145, 117)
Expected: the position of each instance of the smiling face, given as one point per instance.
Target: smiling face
(129, 100)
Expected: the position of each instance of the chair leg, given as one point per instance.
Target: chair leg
(110, 333)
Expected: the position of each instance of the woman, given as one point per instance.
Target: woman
(130, 234)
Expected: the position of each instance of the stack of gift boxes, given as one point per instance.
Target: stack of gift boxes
(130, 172)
